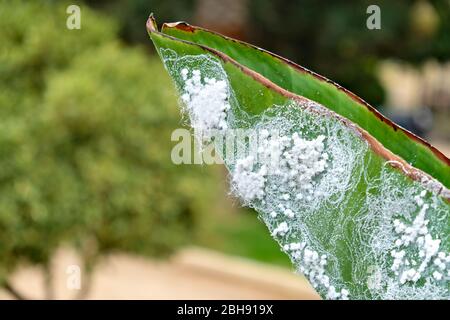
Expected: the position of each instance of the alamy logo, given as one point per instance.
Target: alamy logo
(73, 281)
(215, 145)
(374, 278)
(374, 20)
(74, 19)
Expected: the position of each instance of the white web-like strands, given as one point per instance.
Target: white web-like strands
(354, 230)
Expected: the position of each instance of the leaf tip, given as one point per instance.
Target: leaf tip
(151, 24)
(179, 25)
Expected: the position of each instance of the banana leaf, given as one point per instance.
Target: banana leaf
(360, 205)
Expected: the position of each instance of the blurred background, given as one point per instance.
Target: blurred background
(91, 205)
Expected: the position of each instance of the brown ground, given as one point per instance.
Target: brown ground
(191, 274)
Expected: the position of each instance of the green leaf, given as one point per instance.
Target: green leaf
(360, 205)
(303, 82)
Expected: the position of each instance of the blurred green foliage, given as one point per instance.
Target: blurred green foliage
(85, 143)
(331, 37)
(133, 14)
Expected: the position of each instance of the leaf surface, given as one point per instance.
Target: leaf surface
(360, 205)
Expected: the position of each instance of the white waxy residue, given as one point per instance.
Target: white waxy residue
(206, 101)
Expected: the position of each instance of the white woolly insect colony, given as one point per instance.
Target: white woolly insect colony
(300, 160)
(315, 173)
(418, 236)
(206, 102)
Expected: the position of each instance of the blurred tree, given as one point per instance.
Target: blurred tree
(85, 145)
